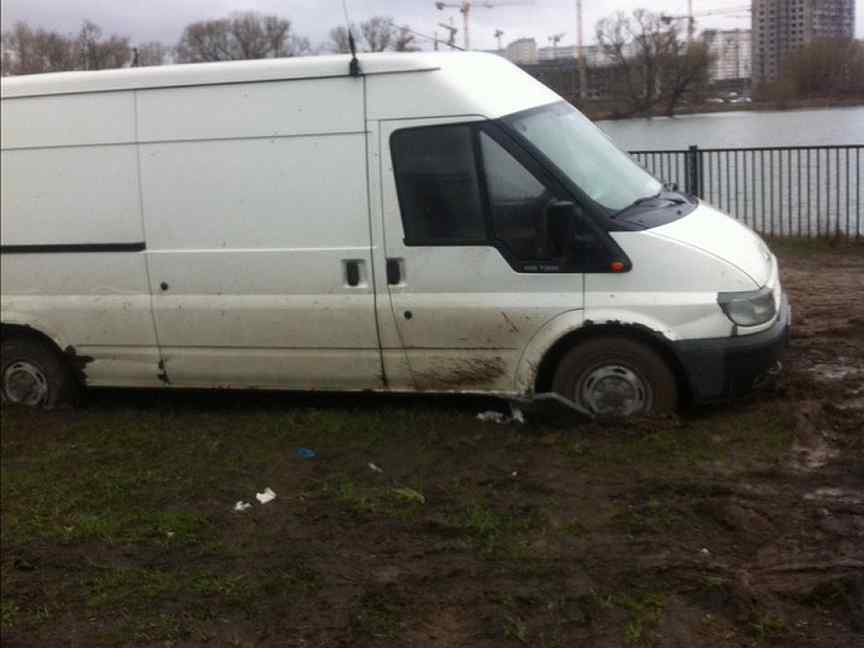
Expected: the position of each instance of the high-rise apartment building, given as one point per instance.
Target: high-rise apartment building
(731, 53)
(782, 26)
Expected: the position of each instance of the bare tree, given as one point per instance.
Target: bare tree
(826, 68)
(339, 39)
(683, 70)
(151, 53)
(240, 36)
(28, 51)
(97, 53)
(651, 64)
(404, 41)
(378, 33)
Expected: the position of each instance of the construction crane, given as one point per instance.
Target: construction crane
(451, 39)
(464, 8)
(498, 35)
(690, 17)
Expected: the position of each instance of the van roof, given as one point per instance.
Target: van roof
(308, 67)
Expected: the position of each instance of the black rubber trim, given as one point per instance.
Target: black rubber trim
(720, 369)
(72, 248)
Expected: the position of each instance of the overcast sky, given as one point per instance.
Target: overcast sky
(163, 20)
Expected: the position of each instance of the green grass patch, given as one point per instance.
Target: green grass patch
(499, 535)
(9, 613)
(645, 614)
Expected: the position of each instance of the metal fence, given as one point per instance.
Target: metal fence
(780, 191)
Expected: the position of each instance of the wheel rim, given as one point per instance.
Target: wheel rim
(25, 383)
(615, 390)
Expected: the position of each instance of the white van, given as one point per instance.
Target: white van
(435, 223)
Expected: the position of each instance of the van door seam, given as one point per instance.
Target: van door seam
(162, 369)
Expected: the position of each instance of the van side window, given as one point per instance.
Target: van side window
(517, 201)
(438, 187)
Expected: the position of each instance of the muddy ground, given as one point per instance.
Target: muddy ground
(733, 526)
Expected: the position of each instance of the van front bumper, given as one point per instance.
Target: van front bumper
(719, 369)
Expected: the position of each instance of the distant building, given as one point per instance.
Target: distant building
(731, 51)
(782, 26)
(558, 52)
(594, 54)
(522, 51)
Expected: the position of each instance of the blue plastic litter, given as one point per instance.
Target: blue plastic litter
(306, 453)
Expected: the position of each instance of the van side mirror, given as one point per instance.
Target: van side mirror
(557, 229)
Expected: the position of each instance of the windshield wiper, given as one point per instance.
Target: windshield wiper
(667, 196)
(644, 199)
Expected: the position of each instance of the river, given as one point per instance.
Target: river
(782, 192)
(746, 128)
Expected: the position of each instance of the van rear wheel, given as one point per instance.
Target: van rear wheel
(33, 374)
(616, 377)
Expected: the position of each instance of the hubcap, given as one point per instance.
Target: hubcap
(25, 383)
(615, 390)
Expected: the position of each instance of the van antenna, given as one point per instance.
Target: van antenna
(354, 64)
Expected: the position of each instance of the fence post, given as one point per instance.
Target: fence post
(693, 181)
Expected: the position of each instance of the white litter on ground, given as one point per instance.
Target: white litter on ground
(267, 496)
(375, 468)
(490, 416)
(517, 413)
(242, 506)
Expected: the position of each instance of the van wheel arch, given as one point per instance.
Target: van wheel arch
(553, 357)
(63, 367)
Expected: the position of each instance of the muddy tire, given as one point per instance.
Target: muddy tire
(616, 377)
(33, 374)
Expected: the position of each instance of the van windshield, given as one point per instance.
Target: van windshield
(585, 154)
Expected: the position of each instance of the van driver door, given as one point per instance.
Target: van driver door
(472, 272)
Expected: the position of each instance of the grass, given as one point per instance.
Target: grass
(645, 614)
(499, 535)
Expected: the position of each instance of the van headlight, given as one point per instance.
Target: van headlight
(749, 308)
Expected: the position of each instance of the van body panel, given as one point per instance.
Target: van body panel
(251, 224)
(223, 73)
(54, 201)
(481, 84)
(248, 110)
(722, 236)
(70, 179)
(87, 119)
(676, 300)
(540, 344)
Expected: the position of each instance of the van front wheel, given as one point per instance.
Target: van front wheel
(32, 374)
(616, 377)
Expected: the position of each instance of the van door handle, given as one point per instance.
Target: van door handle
(394, 271)
(352, 272)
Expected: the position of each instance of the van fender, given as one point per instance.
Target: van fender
(574, 321)
(17, 318)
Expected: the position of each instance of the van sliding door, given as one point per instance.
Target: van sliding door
(258, 234)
